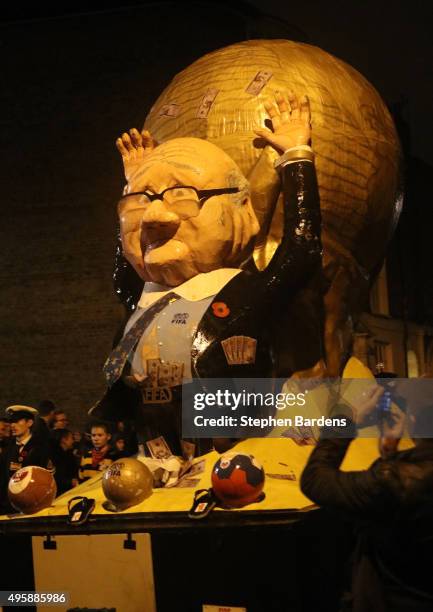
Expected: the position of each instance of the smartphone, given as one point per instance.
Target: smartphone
(384, 404)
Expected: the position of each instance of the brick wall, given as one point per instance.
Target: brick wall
(69, 87)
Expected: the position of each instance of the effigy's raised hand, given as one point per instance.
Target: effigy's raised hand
(291, 121)
(133, 148)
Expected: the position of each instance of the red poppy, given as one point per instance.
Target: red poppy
(220, 310)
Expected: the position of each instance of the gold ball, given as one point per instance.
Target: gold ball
(127, 482)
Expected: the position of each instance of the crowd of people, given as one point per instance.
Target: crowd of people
(42, 436)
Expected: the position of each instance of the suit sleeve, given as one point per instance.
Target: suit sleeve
(367, 493)
(118, 402)
(299, 253)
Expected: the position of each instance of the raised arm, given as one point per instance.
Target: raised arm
(373, 492)
(300, 250)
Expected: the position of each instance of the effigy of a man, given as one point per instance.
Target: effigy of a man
(188, 227)
(219, 97)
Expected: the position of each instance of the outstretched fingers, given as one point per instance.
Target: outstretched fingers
(148, 141)
(127, 142)
(130, 147)
(283, 106)
(135, 145)
(273, 113)
(136, 138)
(290, 118)
(290, 109)
(305, 110)
(144, 143)
(294, 105)
(121, 148)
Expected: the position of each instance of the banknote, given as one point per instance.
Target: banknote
(158, 448)
(188, 449)
(258, 82)
(164, 372)
(196, 468)
(239, 350)
(170, 110)
(206, 103)
(176, 373)
(191, 470)
(249, 350)
(228, 350)
(290, 476)
(152, 366)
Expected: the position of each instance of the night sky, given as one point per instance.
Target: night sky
(389, 42)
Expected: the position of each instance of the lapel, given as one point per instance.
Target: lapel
(232, 304)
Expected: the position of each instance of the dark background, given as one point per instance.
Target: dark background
(75, 77)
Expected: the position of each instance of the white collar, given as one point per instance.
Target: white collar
(196, 288)
(24, 441)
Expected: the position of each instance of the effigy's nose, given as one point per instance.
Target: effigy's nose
(158, 223)
(158, 215)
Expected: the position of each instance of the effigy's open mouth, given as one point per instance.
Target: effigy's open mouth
(157, 244)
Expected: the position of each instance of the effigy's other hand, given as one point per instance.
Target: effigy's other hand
(133, 148)
(291, 121)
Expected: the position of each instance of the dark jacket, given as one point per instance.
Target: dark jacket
(255, 299)
(66, 468)
(391, 505)
(12, 459)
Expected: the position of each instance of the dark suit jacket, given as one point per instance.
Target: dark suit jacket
(34, 453)
(255, 300)
(391, 505)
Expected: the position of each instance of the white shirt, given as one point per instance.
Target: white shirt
(196, 288)
(169, 335)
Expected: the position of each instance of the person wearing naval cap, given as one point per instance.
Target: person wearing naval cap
(23, 449)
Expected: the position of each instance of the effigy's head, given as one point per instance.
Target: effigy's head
(186, 210)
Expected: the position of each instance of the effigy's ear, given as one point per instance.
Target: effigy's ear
(245, 229)
(251, 224)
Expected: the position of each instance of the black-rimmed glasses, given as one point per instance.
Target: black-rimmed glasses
(172, 195)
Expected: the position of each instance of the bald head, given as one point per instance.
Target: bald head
(191, 158)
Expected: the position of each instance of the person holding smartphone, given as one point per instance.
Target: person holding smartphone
(390, 505)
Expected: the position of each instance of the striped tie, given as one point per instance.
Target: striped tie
(115, 363)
